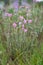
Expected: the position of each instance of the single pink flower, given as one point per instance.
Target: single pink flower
(22, 26)
(29, 21)
(21, 6)
(8, 14)
(20, 23)
(37, 0)
(25, 30)
(26, 7)
(14, 25)
(25, 21)
(21, 17)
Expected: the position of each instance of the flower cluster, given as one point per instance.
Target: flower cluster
(22, 23)
(8, 14)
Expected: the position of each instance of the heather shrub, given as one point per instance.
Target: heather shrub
(21, 36)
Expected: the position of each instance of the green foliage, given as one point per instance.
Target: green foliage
(16, 46)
